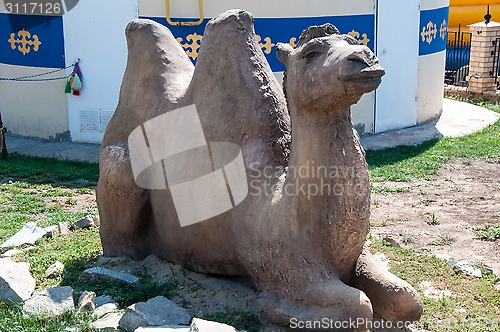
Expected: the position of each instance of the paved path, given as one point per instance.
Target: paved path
(458, 119)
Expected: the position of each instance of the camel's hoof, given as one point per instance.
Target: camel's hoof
(393, 298)
(332, 307)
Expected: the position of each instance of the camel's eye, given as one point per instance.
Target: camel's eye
(311, 55)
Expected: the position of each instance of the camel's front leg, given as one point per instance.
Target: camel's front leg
(393, 298)
(124, 208)
(331, 305)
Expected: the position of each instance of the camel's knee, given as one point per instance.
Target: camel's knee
(392, 298)
(330, 306)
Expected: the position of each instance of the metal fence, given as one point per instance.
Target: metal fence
(496, 60)
(457, 57)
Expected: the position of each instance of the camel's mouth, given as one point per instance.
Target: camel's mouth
(368, 77)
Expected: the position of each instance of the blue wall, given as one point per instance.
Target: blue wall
(433, 30)
(282, 30)
(50, 34)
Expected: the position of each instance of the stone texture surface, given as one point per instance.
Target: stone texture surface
(103, 299)
(104, 305)
(12, 252)
(200, 325)
(27, 235)
(109, 322)
(55, 270)
(51, 301)
(107, 274)
(164, 329)
(105, 309)
(62, 228)
(85, 222)
(16, 282)
(50, 231)
(158, 311)
(295, 247)
(86, 301)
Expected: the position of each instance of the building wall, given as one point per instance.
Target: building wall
(432, 58)
(94, 32)
(32, 108)
(411, 91)
(397, 50)
(277, 21)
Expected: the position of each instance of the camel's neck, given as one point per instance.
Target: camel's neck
(327, 184)
(323, 143)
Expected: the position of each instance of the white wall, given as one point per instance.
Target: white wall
(397, 50)
(35, 109)
(430, 86)
(431, 75)
(94, 32)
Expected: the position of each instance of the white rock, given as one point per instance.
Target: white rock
(103, 299)
(158, 311)
(200, 325)
(105, 309)
(104, 305)
(107, 274)
(109, 322)
(16, 282)
(85, 222)
(86, 301)
(62, 228)
(12, 252)
(171, 328)
(466, 268)
(27, 235)
(50, 231)
(51, 301)
(55, 270)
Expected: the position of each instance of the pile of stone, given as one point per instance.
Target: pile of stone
(18, 285)
(30, 233)
(158, 314)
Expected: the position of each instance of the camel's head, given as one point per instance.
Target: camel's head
(327, 69)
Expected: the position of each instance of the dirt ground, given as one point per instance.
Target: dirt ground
(465, 194)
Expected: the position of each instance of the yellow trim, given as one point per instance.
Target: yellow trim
(185, 24)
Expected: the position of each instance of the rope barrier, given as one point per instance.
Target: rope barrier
(32, 78)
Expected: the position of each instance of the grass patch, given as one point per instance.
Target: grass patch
(379, 189)
(474, 306)
(442, 240)
(35, 170)
(432, 219)
(239, 319)
(11, 320)
(405, 163)
(35, 190)
(488, 232)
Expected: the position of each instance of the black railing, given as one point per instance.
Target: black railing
(496, 60)
(457, 57)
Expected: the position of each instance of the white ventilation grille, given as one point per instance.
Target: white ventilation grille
(105, 117)
(94, 120)
(89, 120)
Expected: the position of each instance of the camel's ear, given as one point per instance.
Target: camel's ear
(283, 52)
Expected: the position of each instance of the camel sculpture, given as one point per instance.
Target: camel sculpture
(303, 251)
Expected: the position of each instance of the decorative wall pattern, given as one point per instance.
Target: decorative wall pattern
(433, 30)
(271, 31)
(25, 42)
(34, 41)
